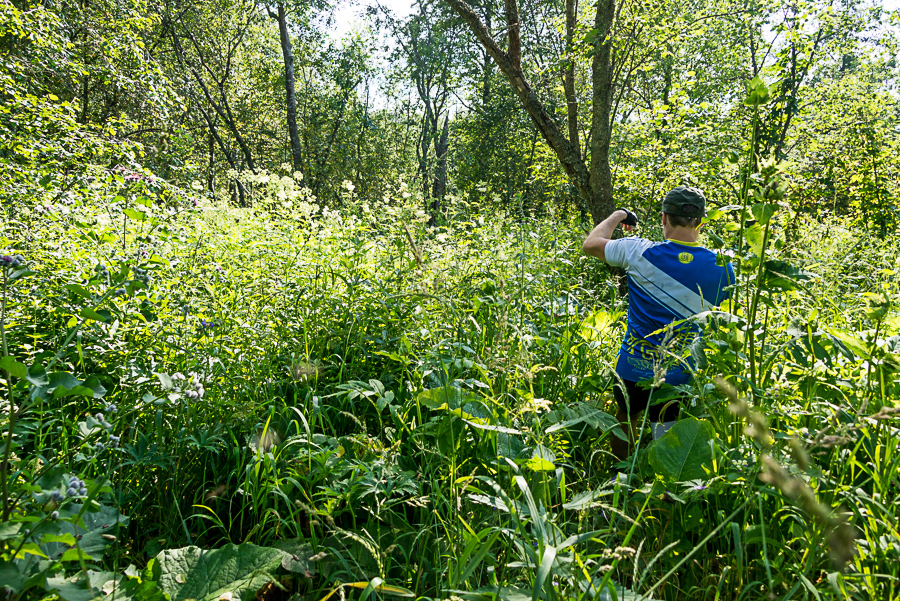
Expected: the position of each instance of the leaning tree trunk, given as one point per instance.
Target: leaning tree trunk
(595, 185)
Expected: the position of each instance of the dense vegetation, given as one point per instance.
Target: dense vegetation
(281, 321)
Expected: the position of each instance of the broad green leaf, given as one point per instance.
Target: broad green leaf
(508, 445)
(877, 305)
(684, 452)
(755, 236)
(11, 577)
(65, 539)
(165, 381)
(92, 387)
(37, 376)
(79, 290)
(71, 589)
(892, 322)
(130, 587)
(763, 211)
(19, 274)
(135, 214)
(445, 397)
(14, 367)
(75, 555)
(392, 356)
(384, 401)
(96, 315)
(193, 573)
(296, 557)
(9, 530)
(90, 532)
(29, 549)
(377, 386)
(62, 379)
(63, 384)
(538, 464)
(596, 326)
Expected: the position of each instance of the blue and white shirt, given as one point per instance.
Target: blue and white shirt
(667, 282)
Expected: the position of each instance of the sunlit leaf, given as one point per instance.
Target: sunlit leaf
(763, 211)
(201, 575)
(757, 93)
(684, 452)
(135, 214)
(14, 367)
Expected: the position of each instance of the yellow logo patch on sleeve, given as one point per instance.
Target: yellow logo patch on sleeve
(685, 258)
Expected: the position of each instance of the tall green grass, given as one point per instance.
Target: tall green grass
(430, 408)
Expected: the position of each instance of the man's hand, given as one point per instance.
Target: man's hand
(630, 220)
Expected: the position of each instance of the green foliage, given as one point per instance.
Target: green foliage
(320, 392)
(420, 410)
(192, 573)
(685, 452)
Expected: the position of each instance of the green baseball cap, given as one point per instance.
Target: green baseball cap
(685, 202)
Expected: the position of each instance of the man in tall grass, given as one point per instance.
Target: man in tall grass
(668, 282)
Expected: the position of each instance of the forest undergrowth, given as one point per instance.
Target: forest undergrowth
(211, 403)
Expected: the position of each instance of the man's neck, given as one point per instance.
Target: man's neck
(683, 234)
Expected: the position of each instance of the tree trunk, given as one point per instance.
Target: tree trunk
(487, 70)
(425, 139)
(569, 74)
(439, 188)
(211, 175)
(600, 204)
(222, 108)
(594, 186)
(296, 152)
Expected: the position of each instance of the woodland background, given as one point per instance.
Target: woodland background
(286, 315)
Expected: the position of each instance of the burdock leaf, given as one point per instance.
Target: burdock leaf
(684, 452)
(193, 573)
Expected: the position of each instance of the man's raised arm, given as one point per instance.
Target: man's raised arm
(595, 244)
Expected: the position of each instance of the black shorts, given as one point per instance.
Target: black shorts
(637, 399)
